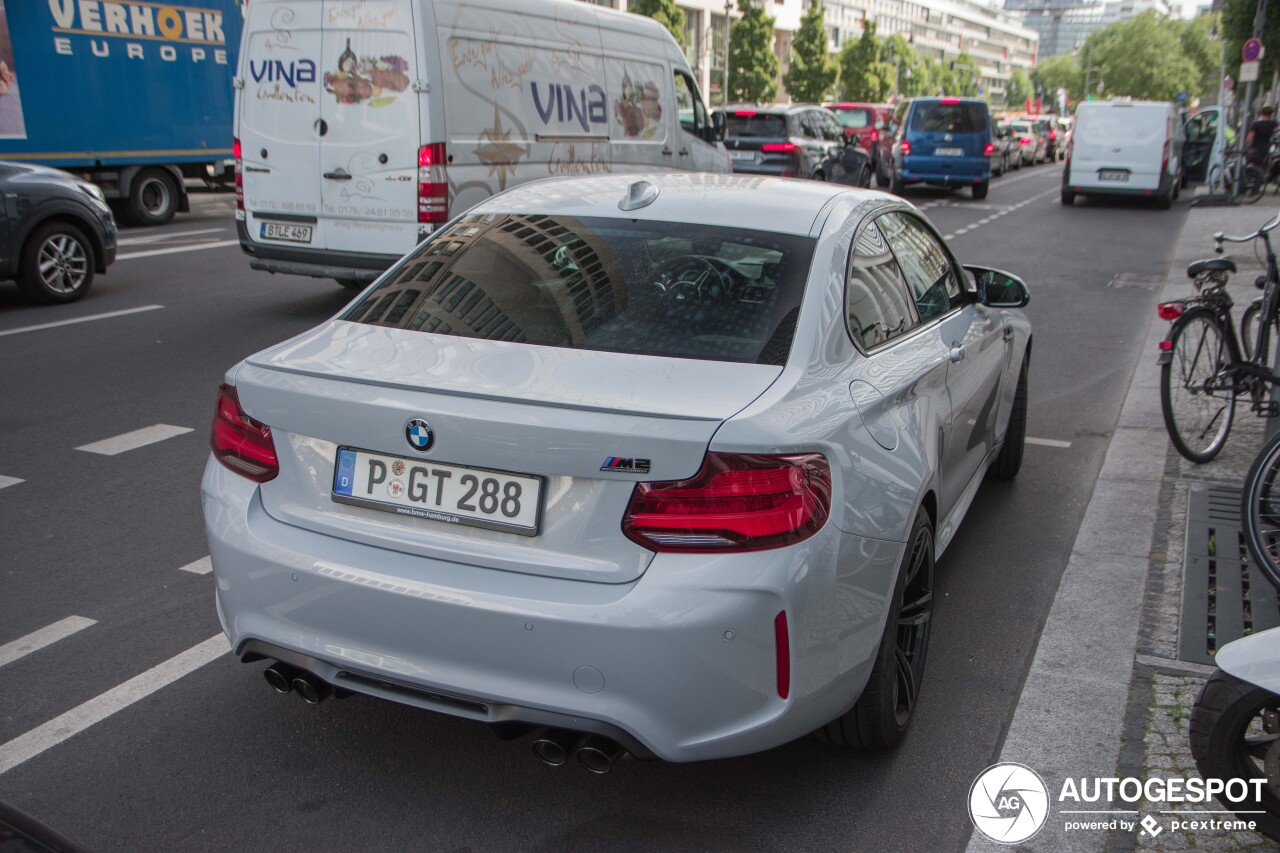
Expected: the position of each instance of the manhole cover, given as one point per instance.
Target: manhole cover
(1222, 599)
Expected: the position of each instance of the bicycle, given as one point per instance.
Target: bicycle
(1226, 176)
(1260, 510)
(1203, 367)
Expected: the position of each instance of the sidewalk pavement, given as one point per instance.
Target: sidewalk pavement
(1106, 695)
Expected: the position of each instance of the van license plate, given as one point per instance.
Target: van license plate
(449, 493)
(1112, 175)
(742, 155)
(283, 231)
(948, 152)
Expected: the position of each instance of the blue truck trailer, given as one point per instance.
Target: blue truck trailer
(135, 96)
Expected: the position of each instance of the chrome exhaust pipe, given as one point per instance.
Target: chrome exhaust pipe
(599, 754)
(554, 746)
(280, 676)
(312, 690)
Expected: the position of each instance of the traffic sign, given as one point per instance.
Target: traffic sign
(1252, 51)
(1249, 71)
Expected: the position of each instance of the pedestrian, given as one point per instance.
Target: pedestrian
(1257, 143)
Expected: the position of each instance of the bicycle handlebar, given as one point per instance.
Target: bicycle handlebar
(1219, 238)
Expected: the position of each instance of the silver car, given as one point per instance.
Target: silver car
(652, 465)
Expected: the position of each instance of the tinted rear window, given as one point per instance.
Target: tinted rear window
(936, 117)
(756, 125)
(602, 284)
(855, 119)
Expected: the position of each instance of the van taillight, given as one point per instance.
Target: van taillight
(241, 443)
(989, 150)
(433, 185)
(239, 169)
(1164, 161)
(905, 147)
(737, 502)
(875, 136)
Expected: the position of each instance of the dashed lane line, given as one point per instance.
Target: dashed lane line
(87, 319)
(202, 566)
(6, 482)
(156, 238)
(1010, 209)
(46, 636)
(218, 244)
(27, 746)
(133, 440)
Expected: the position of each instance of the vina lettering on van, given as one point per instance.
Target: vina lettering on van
(278, 80)
(192, 33)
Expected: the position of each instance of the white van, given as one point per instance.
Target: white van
(1124, 148)
(363, 125)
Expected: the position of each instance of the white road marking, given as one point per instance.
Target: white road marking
(976, 225)
(1047, 442)
(27, 746)
(134, 440)
(176, 249)
(6, 482)
(47, 636)
(202, 566)
(155, 238)
(90, 318)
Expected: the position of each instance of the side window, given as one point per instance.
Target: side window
(807, 130)
(877, 306)
(834, 131)
(925, 264)
(693, 114)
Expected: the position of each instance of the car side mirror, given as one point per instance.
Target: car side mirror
(717, 128)
(999, 289)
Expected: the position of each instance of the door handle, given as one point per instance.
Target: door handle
(339, 175)
(684, 152)
(666, 152)
(956, 353)
(1008, 333)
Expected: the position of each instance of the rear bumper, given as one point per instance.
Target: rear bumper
(1164, 187)
(680, 664)
(961, 171)
(319, 263)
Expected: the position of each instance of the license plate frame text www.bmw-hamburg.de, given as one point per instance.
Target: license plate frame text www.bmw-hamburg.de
(437, 491)
(286, 231)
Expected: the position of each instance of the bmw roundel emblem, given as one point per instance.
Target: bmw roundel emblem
(419, 434)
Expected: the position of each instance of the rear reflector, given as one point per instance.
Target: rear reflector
(778, 148)
(782, 649)
(433, 184)
(241, 443)
(1170, 310)
(239, 168)
(737, 502)
(1165, 346)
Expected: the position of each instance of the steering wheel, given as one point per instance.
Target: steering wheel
(688, 280)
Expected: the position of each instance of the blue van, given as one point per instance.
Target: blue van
(943, 141)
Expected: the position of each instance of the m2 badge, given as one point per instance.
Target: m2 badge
(625, 465)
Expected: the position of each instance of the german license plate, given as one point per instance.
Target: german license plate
(1112, 175)
(948, 152)
(742, 155)
(449, 493)
(284, 231)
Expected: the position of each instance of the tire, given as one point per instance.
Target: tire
(1068, 197)
(1252, 183)
(1198, 422)
(1260, 510)
(882, 179)
(980, 190)
(883, 712)
(1165, 202)
(153, 198)
(896, 186)
(1249, 327)
(1009, 462)
(351, 283)
(1227, 712)
(865, 180)
(57, 264)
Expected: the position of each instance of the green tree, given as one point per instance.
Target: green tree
(812, 72)
(1199, 45)
(1237, 28)
(964, 78)
(1018, 90)
(753, 68)
(1060, 72)
(860, 67)
(665, 12)
(1143, 58)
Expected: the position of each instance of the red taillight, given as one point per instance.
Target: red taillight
(1164, 162)
(989, 150)
(904, 147)
(782, 652)
(433, 185)
(241, 443)
(737, 502)
(778, 148)
(239, 169)
(1053, 134)
(1024, 141)
(875, 136)
(1170, 310)
(1166, 346)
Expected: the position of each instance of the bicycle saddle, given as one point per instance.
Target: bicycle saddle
(1210, 265)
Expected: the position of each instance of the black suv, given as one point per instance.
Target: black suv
(792, 141)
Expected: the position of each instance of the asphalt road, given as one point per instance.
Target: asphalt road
(216, 760)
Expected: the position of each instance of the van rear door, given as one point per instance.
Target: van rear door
(278, 113)
(949, 137)
(370, 128)
(1119, 146)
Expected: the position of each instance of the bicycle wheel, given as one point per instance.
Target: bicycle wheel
(1197, 414)
(1252, 182)
(1216, 182)
(1260, 510)
(1249, 327)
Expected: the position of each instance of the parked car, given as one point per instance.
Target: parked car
(1051, 129)
(611, 458)
(56, 232)
(866, 123)
(1008, 153)
(783, 140)
(942, 141)
(1125, 148)
(1030, 143)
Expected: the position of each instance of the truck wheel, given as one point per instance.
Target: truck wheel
(56, 264)
(153, 198)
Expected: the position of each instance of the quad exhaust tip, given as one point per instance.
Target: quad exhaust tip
(280, 676)
(312, 690)
(595, 753)
(598, 754)
(555, 745)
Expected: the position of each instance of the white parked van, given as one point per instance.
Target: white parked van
(363, 125)
(1124, 148)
